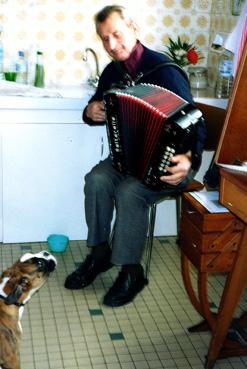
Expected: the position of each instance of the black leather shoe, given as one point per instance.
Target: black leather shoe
(86, 273)
(126, 287)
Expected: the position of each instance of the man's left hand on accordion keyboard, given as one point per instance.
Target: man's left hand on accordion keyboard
(96, 111)
(179, 171)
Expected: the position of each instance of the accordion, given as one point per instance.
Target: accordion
(146, 126)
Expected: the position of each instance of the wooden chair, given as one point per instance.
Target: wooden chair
(214, 120)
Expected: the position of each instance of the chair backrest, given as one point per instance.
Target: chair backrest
(214, 120)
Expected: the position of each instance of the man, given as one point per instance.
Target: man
(105, 187)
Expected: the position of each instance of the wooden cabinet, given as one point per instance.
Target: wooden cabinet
(233, 187)
(209, 240)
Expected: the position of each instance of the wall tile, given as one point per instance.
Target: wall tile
(62, 29)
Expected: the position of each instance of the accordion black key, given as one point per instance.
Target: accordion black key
(146, 126)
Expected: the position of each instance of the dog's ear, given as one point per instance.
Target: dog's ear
(13, 296)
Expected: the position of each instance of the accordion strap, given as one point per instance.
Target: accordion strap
(133, 81)
(161, 65)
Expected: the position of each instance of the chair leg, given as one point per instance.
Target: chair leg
(150, 236)
(178, 211)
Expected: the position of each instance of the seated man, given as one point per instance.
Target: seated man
(105, 187)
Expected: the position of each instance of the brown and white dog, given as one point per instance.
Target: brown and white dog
(17, 284)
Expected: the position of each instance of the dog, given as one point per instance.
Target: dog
(17, 285)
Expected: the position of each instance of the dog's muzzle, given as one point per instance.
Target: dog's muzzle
(44, 261)
(42, 264)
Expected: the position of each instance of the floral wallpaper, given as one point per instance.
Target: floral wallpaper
(62, 29)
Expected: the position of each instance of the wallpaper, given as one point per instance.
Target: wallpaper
(222, 20)
(62, 29)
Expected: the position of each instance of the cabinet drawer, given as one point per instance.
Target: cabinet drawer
(234, 198)
(207, 263)
(205, 221)
(211, 242)
(209, 252)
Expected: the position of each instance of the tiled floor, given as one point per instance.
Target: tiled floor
(69, 330)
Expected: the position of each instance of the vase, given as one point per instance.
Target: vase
(198, 77)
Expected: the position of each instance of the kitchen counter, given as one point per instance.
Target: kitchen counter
(17, 96)
(28, 104)
(47, 103)
(207, 96)
(45, 152)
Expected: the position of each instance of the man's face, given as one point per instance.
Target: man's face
(118, 37)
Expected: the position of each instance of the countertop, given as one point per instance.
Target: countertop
(16, 96)
(207, 96)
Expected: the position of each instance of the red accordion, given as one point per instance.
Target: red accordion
(146, 126)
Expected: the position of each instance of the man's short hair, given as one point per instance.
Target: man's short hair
(104, 13)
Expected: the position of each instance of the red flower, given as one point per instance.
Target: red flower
(192, 56)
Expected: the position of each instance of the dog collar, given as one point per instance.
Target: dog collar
(19, 304)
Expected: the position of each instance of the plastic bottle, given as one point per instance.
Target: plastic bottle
(225, 78)
(1, 54)
(21, 68)
(39, 80)
(31, 65)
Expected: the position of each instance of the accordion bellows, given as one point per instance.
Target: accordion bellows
(146, 126)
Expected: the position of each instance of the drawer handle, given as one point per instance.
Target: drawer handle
(191, 212)
(194, 245)
(230, 204)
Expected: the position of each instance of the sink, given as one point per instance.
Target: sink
(75, 91)
(17, 89)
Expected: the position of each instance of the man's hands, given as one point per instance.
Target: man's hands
(179, 171)
(96, 111)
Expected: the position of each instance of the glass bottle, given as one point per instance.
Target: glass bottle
(39, 80)
(224, 78)
(1, 54)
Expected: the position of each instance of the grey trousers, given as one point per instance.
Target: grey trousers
(106, 189)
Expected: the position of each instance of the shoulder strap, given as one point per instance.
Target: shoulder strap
(161, 65)
(130, 81)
